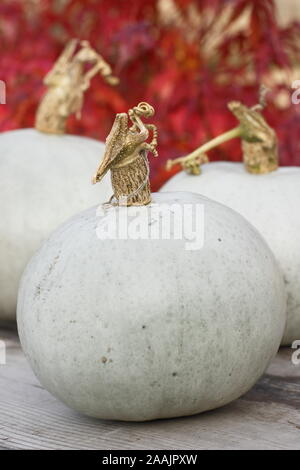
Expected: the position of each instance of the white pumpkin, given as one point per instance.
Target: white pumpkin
(44, 174)
(271, 202)
(44, 179)
(139, 329)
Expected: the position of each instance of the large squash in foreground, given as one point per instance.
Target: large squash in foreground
(179, 314)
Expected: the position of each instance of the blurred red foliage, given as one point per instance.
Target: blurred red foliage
(187, 58)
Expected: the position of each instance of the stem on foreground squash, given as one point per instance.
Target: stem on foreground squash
(126, 157)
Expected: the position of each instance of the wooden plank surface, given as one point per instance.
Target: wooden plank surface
(267, 417)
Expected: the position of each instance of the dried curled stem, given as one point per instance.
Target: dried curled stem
(259, 141)
(126, 156)
(194, 160)
(67, 82)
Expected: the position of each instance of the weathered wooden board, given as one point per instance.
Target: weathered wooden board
(267, 417)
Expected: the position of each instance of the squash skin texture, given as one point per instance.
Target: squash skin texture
(44, 180)
(271, 202)
(139, 330)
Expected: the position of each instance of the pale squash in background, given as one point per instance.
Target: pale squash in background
(44, 179)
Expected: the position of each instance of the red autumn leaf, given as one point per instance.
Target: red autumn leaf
(186, 64)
